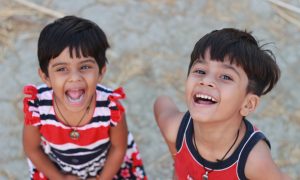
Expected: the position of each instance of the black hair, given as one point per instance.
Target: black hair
(243, 50)
(81, 35)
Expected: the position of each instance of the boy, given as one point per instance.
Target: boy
(227, 74)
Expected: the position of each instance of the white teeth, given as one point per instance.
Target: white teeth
(205, 97)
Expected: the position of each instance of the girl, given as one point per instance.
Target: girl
(74, 127)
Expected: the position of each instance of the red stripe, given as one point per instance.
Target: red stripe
(58, 135)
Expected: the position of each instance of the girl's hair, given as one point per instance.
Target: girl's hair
(243, 50)
(82, 36)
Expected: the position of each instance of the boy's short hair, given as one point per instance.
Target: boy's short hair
(81, 35)
(243, 50)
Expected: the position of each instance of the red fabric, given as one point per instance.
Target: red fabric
(62, 136)
(38, 176)
(116, 115)
(188, 168)
(30, 92)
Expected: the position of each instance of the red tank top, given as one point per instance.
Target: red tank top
(190, 165)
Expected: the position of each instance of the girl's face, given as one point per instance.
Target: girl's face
(73, 80)
(216, 91)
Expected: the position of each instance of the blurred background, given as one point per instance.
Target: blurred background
(151, 42)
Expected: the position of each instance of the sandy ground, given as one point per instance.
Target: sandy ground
(151, 41)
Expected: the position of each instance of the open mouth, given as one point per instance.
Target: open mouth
(75, 95)
(204, 99)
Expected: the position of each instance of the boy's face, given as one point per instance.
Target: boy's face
(216, 91)
(73, 80)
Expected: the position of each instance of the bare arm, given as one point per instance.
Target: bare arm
(116, 153)
(168, 118)
(32, 148)
(260, 164)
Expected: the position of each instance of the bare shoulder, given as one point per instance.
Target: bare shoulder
(168, 117)
(260, 164)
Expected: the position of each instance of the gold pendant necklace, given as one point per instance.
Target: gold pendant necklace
(74, 134)
(205, 175)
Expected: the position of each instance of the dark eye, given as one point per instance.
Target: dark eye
(84, 67)
(61, 69)
(225, 77)
(199, 71)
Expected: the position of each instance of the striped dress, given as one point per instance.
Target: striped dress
(84, 157)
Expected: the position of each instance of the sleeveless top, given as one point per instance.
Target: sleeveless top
(190, 165)
(84, 157)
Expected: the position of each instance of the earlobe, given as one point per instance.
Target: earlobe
(250, 104)
(44, 78)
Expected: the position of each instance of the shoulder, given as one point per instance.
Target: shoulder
(260, 164)
(107, 93)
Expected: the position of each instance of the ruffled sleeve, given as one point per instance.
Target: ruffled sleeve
(115, 107)
(30, 106)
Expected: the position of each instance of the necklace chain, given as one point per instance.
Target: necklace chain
(205, 176)
(74, 134)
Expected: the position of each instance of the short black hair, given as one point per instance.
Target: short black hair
(79, 34)
(243, 50)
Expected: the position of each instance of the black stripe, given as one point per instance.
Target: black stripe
(44, 102)
(80, 159)
(99, 88)
(181, 130)
(48, 117)
(247, 149)
(43, 89)
(113, 108)
(96, 119)
(102, 103)
(76, 150)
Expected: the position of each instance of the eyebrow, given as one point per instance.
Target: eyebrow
(58, 64)
(228, 66)
(87, 61)
(81, 62)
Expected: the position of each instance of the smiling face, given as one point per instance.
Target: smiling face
(216, 91)
(73, 80)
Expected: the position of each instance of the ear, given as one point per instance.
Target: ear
(44, 78)
(250, 104)
(101, 73)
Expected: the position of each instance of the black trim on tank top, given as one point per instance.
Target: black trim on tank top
(257, 136)
(181, 130)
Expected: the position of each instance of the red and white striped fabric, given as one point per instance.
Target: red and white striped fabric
(84, 157)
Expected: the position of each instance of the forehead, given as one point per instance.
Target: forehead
(226, 61)
(68, 54)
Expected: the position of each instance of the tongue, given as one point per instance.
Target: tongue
(201, 101)
(74, 94)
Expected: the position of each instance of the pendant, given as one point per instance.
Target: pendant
(74, 134)
(205, 176)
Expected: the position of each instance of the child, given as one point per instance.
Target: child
(74, 127)
(227, 75)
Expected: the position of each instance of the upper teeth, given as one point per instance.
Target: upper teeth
(205, 97)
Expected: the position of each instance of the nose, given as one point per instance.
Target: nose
(75, 76)
(208, 81)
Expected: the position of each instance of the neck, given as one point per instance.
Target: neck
(215, 139)
(73, 119)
